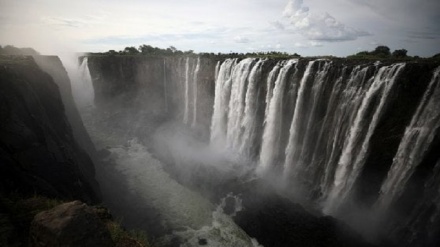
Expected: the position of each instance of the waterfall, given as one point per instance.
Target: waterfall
(239, 81)
(415, 142)
(83, 91)
(269, 88)
(221, 103)
(187, 97)
(343, 106)
(318, 127)
(273, 115)
(356, 146)
(250, 111)
(293, 144)
(195, 85)
(217, 69)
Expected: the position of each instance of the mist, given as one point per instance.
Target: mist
(236, 150)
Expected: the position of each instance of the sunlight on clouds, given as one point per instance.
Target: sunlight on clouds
(219, 26)
(318, 26)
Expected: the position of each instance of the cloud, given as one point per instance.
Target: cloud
(64, 22)
(300, 45)
(241, 39)
(423, 35)
(320, 27)
(278, 25)
(315, 44)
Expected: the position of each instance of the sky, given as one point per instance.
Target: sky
(307, 27)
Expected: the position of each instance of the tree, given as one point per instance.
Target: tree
(172, 48)
(112, 52)
(147, 49)
(400, 53)
(131, 50)
(381, 51)
(436, 56)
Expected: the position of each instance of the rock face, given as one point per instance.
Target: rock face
(160, 87)
(349, 120)
(69, 224)
(38, 152)
(54, 67)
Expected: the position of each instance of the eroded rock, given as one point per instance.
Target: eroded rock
(69, 224)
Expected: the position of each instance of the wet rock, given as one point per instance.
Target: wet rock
(69, 224)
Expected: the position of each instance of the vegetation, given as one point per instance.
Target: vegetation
(148, 50)
(382, 52)
(17, 213)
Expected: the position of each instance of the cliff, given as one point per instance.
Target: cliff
(54, 67)
(156, 87)
(39, 154)
(340, 132)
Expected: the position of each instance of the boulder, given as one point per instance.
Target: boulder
(69, 224)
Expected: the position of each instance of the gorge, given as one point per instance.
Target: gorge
(208, 150)
(357, 140)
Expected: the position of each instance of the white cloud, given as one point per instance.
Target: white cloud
(241, 39)
(277, 24)
(315, 44)
(318, 26)
(300, 45)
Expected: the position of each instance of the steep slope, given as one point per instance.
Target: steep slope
(39, 154)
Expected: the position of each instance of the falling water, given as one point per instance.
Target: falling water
(343, 105)
(415, 142)
(83, 91)
(185, 114)
(353, 155)
(239, 81)
(195, 85)
(221, 103)
(293, 145)
(273, 115)
(250, 111)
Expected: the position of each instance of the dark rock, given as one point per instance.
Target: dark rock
(276, 221)
(38, 153)
(203, 241)
(69, 224)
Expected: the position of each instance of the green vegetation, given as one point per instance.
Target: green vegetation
(379, 53)
(123, 238)
(148, 50)
(382, 52)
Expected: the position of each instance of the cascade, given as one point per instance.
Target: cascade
(195, 84)
(221, 102)
(314, 125)
(415, 142)
(343, 104)
(239, 83)
(82, 86)
(356, 146)
(273, 114)
(250, 111)
(187, 96)
(294, 143)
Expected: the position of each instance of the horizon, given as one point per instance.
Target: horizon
(309, 28)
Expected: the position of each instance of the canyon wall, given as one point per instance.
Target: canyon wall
(343, 135)
(39, 153)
